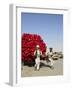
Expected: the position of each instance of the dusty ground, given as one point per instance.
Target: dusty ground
(45, 69)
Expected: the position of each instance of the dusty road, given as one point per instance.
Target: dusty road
(45, 69)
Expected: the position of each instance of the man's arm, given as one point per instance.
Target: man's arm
(34, 53)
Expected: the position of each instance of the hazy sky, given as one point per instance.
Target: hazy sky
(48, 26)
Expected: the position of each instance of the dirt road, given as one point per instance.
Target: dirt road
(45, 69)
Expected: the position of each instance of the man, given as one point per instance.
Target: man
(50, 55)
(37, 54)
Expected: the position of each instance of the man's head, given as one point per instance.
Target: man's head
(51, 49)
(37, 47)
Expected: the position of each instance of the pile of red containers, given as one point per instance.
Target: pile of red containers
(29, 42)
